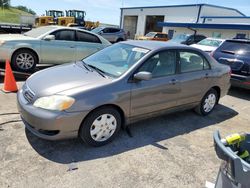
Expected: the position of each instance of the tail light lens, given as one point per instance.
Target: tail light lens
(211, 54)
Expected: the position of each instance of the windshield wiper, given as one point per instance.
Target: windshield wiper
(228, 51)
(86, 66)
(101, 72)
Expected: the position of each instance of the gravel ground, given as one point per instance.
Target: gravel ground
(174, 150)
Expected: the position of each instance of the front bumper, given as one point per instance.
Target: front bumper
(49, 125)
(5, 53)
(240, 81)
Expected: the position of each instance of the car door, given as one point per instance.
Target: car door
(87, 44)
(60, 50)
(194, 76)
(162, 91)
(111, 34)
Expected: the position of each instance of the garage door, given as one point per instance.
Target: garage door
(130, 26)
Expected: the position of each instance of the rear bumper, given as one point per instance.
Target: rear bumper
(240, 81)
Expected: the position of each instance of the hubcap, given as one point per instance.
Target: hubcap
(25, 61)
(103, 127)
(209, 102)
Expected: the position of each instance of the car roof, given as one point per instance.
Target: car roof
(238, 40)
(160, 33)
(219, 39)
(55, 27)
(154, 45)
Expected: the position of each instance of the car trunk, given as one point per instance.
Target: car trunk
(236, 55)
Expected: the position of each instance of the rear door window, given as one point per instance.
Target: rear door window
(191, 61)
(114, 30)
(86, 37)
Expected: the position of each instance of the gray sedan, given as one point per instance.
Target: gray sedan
(118, 85)
(50, 45)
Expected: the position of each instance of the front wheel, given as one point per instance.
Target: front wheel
(101, 126)
(24, 60)
(207, 103)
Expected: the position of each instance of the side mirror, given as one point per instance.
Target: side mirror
(101, 32)
(49, 37)
(143, 75)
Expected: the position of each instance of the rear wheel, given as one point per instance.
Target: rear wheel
(119, 40)
(207, 103)
(24, 60)
(101, 126)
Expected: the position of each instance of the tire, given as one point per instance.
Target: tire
(24, 60)
(119, 40)
(96, 130)
(207, 103)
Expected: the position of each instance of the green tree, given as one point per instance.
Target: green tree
(25, 9)
(5, 3)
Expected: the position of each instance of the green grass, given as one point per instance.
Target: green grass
(11, 15)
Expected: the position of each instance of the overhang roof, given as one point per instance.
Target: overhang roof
(205, 26)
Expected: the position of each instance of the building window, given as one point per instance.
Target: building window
(216, 35)
(240, 36)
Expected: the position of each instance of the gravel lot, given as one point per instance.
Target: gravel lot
(174, 150)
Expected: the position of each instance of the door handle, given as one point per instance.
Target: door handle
(206, 75)
(72, 46)
(173, 81)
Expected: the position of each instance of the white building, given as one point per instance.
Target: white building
(210, 20)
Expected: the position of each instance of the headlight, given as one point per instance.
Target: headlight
(54, 102)
(2, 42)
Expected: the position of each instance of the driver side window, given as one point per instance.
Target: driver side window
(161, 64)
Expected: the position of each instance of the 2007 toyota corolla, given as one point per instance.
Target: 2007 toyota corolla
(118, 85)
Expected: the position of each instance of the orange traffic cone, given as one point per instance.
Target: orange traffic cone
(9, 79)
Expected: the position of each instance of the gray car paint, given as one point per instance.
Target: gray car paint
(66, 51)
(136, 100)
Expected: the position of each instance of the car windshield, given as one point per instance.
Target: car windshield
(97, 30)
(116, 59)
(210, 42)
(150, 34)
(180, 38)
(35, 33)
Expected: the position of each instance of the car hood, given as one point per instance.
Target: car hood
(9, 37)
(62, 78)
(204, 48)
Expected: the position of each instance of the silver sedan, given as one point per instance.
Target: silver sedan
(118, 85)
(50, 45)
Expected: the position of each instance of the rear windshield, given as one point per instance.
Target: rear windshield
(238, 48)
(210, 42)
(150, 34)
(37, 32)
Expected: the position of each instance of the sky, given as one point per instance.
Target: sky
(108, 11)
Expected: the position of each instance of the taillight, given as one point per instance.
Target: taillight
(230, 71)
(211, 54)
(246, 83)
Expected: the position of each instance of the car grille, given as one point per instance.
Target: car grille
(28, 94)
